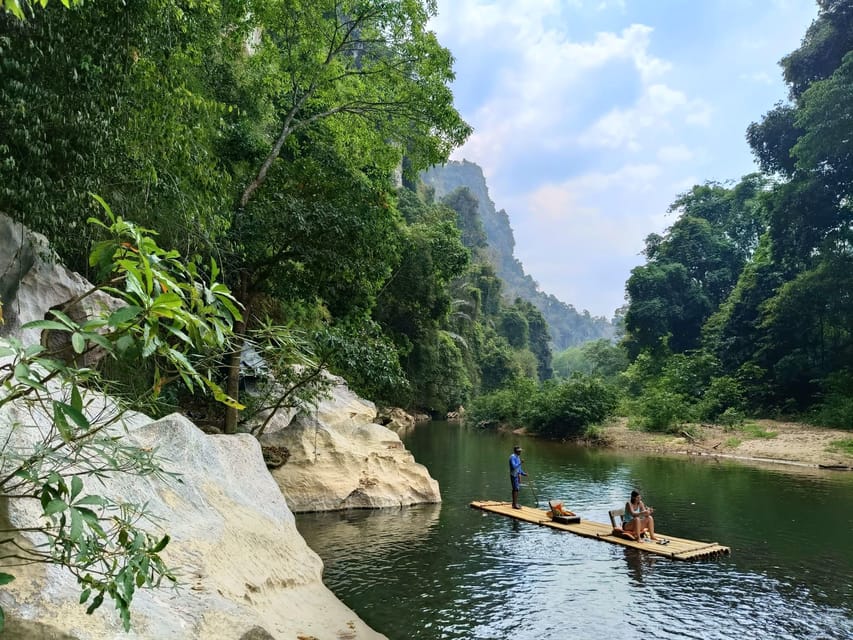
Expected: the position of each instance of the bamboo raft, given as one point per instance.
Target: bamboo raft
(677, 548)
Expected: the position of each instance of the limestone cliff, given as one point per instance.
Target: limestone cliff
(566, 324)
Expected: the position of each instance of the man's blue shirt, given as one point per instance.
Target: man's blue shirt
(515, 466)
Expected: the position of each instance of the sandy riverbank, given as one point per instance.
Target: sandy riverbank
(794, 443)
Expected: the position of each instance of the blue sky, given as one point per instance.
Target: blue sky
(591, 116)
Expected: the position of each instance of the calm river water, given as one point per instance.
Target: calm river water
(449, 571)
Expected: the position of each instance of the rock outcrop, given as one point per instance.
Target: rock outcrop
(341, 459)
(244, 571)
(395, 419)
(240, 560)
(32, 282)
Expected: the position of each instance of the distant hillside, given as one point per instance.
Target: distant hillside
(568, 327)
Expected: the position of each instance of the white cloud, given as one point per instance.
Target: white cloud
(586, 202)
(652, 114)
(534, 97)
(580, 237)
(675, 154)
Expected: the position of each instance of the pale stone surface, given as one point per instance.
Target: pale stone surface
(341, 459)
(395, 418)
(244, 569)
(241, 561)
(32, 282)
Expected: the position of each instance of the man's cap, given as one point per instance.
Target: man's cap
(517, 449)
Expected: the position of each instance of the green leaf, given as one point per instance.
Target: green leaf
(124, 315)
(61, 423)
(55, 506)
(161, 545)
(99, 340)
(97, 602)
(68, 322)
(170, 301)
(76, 398)
(6, 578)
(49, 325)
(33, 350)
(84, 595)
(92, 520)
(77, 416)
(134, 284)
(76, 525)
(78, 342)
(30, 382)
(91, 499)
(76, 486)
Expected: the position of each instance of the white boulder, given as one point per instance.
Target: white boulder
(341, 459)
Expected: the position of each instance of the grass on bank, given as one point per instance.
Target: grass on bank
(845, 445)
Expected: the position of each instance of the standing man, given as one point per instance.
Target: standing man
(515, 473)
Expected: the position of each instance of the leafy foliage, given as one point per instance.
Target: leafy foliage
(553, 409)
(168, 314)
(755, 279)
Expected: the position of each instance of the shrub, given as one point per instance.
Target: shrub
(724, 396)
(836, 407)
(502, 407)
(662, 410)
(564, 409)
(730, 419)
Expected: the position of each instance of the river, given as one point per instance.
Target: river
(448, 571)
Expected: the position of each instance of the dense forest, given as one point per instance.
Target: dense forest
(282, 143)
(300, 150)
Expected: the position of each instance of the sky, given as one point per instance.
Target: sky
(591, 116)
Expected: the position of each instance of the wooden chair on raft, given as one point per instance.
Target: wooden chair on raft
(618, 530)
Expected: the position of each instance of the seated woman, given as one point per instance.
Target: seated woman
(638, 517)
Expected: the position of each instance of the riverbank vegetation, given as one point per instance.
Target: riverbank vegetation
(743, 307)
(286, 143)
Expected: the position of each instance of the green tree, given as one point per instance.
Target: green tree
(79, 113)
(467, 209)
(415, 307)
(366, 80)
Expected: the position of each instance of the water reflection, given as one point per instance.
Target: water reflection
(450, 572)
(378, 531)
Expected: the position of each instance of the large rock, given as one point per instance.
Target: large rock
(341, 459)
(241, 562)
(244, 571)
(32, 282)
(395, 419)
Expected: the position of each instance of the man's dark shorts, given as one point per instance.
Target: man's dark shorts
(516, 482)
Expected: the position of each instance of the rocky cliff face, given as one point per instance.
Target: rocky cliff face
(244, 571)
(567, 326)
(240, 560)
